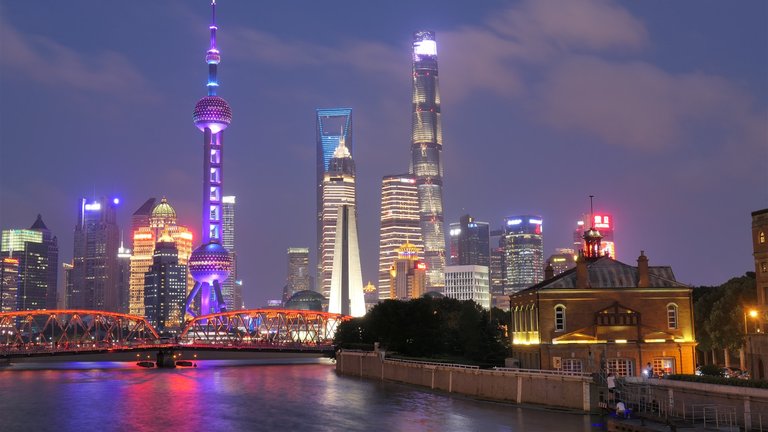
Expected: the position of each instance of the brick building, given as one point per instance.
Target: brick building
(605, 315)
(756, 343)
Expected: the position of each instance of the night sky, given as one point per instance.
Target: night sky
(657, 108)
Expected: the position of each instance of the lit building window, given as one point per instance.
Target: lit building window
(762, 237)
(672, 316)
(559, 318)
(620, 366)
(764, 267)
(572, 365)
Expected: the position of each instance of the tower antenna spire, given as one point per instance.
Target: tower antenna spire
(591, 212)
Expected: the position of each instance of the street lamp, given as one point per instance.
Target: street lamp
(752, 314)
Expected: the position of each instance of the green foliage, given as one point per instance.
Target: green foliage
(720, 380)
(711, 370)
(719, 312)
(429, 328)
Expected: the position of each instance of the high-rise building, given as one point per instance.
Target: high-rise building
(36, 250)
(563, 259)
(123, 278)
(496, 274)
(165, 287)
(602, 222)
(9, 283)
(468, 282)
(97, 239)
(52, 243)
(408, 274)
(426, 149)
(338, 190)
(162, 219)
(70, 293)
(470, 242)
(210, 264)
(523, 252)
(298, 278)
(230, 289)
(346, 296)
(140, 218)
(399, 224)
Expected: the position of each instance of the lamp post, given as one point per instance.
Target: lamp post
(744, 352)
(752, 314)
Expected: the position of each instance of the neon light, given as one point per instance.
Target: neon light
(407, 180)
(93, 207)
(421, 266)
(425, 48)
(116, 201)
(535, 221)
(514, 222)
(142, 236)
(228, 199)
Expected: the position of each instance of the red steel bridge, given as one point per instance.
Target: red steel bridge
(74, 331)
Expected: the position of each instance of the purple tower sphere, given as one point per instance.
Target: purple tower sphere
(210, 262)
(212, 112)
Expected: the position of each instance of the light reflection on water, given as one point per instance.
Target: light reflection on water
(228, 395)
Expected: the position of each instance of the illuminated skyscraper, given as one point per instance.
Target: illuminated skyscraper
(210, 264)
(162, 219)
(523, 252)
(298, 272)
(602, 222)
(333, 125)
(97, 239)
(9, 283)
(165, 287)
(70, 293)
(123, 278)
(338, 189)
(347, 296)
(52, 244)
(231, 289)
(399, 224)
(426, 149)
(470, 242)
(140, 218)
(407, 274)
(563, 259)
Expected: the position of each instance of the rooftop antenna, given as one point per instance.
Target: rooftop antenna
(591, 212)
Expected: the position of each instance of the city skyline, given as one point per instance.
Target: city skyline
(680, 163)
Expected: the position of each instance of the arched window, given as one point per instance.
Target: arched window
(762, 237)
(559, 318)
(672, 316)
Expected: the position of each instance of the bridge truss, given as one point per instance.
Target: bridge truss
(72, 330)
(263, 328)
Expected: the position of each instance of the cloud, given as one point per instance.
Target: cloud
(639, 105)
(50, 63)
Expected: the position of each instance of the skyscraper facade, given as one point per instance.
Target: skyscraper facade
(9, 283)
(562, 260)
(70, 293)
(346, 295)
(35, 250)
(52, 244)
(338, 189)
(399, 224)
(407, 275)
(602, 222)
(231, 289)
(162, 219)
(523, 252)
(470, 242)
(298, 278)
(97, 239)
(165, 287)
(333, 125)
(468, 282)
(210, 264)
(140, 218)
(426, 150)
(123, 278)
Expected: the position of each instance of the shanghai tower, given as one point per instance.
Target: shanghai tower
(210, 264)
(426, 150)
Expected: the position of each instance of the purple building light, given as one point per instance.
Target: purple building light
(210, 264)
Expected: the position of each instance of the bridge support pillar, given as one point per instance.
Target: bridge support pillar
(166, 359)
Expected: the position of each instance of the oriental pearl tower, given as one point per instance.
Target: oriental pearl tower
(210, 264)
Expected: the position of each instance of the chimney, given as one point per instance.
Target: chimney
(582, 275)
(642, 271)
(549, 272)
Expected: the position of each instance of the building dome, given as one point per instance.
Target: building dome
(212, 112)
(162, 215)
(306, 300)
(210, 262)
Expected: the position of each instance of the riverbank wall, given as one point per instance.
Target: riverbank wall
(569, 391)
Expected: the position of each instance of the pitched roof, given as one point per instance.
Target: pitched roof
(39, 225)
(606, 272)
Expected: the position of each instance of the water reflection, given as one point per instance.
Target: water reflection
(229, 395)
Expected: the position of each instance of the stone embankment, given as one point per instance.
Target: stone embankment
(522, 386)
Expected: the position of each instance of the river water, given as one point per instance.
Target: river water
(236, 396)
